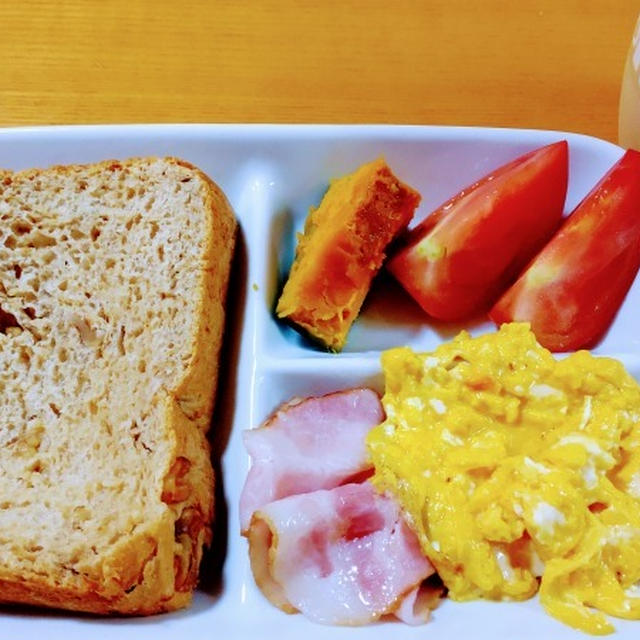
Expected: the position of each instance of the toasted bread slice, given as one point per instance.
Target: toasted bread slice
(112, 289)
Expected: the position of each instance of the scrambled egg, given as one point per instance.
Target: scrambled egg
(512, 465)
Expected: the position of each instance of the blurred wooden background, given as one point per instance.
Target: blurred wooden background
(543, 64)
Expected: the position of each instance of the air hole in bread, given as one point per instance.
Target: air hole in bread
(121, 336)
(98, 192)
(25, 356)
(17, 270)
(95, 233)
(131, 221)
(30, 312)
(139, 330)
(81, 513)
(36, 466)
(54, 407)
(161, 252)
(8, 322)
(21, 227)
(88, 336)
(10, 242)
(63, 285)
(134, 430)
(38, 240)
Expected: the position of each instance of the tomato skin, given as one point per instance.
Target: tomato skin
(468, 251)
(571, 292)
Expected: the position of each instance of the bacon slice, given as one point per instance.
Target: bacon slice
(416, 607)
(317, 443)
(341, 556)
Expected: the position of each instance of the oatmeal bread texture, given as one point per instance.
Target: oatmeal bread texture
(112, 288)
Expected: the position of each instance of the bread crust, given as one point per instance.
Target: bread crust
(156, 570)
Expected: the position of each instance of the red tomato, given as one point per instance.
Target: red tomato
(572, 290)
(466, 253)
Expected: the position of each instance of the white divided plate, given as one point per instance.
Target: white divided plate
(272, 174)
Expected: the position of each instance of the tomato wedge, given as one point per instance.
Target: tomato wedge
(572, 290)
(468, 251)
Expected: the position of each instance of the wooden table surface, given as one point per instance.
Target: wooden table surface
(544, 64)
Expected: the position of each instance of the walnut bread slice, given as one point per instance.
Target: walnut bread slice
(112, 290)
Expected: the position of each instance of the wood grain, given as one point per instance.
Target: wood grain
(541, 64)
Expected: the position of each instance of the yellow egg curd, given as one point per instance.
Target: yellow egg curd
(512, 465)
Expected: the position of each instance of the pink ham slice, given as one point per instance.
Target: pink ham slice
(317, 443)
(343, 556)
(416, 607)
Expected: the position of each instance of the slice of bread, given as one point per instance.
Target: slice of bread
(112, 287)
